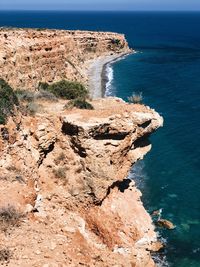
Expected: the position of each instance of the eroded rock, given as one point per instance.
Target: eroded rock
(165, 224)
(30, 56)
(79, 192)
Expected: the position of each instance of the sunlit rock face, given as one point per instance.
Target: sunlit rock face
(29, 56)
(66, 170)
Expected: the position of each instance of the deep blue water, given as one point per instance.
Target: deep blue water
(167, 71)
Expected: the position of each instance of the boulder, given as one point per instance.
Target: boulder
(165, 224)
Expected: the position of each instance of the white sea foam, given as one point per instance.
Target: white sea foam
(109, 89)
(110, 76)
(160, 261)
(138, 174)
(140, 177)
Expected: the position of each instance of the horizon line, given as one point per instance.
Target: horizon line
(94, 10)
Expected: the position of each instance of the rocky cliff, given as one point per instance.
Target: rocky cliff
(66, 171)
(29, 56)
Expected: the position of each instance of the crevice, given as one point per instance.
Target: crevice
(113, 136)
(70, 129)
(78, 149)
(44, 153)
(145, 124)
(105, 132)
(141, 142)
(121, 185)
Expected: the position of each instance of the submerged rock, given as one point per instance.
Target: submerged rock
(165, 224)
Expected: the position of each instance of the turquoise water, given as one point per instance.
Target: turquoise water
(168, 75)
(167, 71)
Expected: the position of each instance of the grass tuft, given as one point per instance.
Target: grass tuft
(5, 255)
(136, 98)
(80, 103)
(9, 217)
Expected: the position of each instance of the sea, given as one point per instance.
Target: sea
(166, 69)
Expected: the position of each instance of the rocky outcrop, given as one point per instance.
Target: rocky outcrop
(166, 224)
(68, 173)
(29, 56)
(110, 144)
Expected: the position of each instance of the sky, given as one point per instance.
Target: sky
(100, 5)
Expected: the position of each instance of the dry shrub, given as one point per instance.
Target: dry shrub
(136, 98)
(46, 96)
(80, 103)
(60, 173)
(25, 95)
(32, 108)
(9, 217)
(5, 255)
(60, 158)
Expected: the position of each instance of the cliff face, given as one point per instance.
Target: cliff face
(68, 173)
(29, 56)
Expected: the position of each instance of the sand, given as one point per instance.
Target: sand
(97, 74)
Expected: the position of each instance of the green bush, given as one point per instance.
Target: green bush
(2, 119)
(43, 86)
(79, 103)
(65, 89)
(115, 42)
(8, 100)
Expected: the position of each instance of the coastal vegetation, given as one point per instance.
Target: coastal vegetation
(115, 41)
(29, 96)
(8, 101)
(27, 100)
(80, 103)
(136, 98)
(65, 89)
(9, 217)
(69, 90)
(32, 108)
(5, 255)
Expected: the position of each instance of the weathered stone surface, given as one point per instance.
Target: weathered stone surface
(73, 164)
(29, 56)
(111, 144)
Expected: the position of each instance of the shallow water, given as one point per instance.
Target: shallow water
(167, 71)
(169, 78)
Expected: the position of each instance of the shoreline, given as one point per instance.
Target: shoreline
(104, 76)
(97, 77)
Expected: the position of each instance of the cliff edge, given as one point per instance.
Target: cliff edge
(65, 196)
(29, 56)
(66, 170)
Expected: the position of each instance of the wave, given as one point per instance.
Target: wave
(159, 260)
(109, 75)
(109, 79)
(139, 176)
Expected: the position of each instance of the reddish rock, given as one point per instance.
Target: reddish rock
(29, 56)
(166, 224)
(70, 166)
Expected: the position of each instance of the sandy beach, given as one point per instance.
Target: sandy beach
(97, 74)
